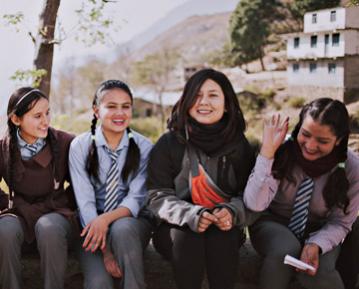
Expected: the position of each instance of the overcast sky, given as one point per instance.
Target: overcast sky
(17, 51)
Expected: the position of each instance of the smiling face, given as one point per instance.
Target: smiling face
(34, 124)
(316, 140)
(210, 105)
(115, 112)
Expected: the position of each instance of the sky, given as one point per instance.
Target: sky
(16, 50)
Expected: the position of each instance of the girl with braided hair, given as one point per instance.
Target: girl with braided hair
(34, 165)
(308, 190)
(108, 170)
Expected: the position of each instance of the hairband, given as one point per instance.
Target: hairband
(27, 94)
(130, 135)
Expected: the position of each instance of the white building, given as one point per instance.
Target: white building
(323, 61)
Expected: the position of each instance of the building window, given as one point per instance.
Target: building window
(326, 39)
(332, 67)
(335, 39)
(313, 41)
(312, 67)
(295, 67)
(333, 16)
(296, 42)
(314, 18)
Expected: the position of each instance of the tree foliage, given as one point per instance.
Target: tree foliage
(250, 28)
(157, 70)
(93, 27)
(299, 7)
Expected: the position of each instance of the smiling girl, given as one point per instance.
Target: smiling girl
(308, 188)
(33, 163)
(196, 176)
(108, 170)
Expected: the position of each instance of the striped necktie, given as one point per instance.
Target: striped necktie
(112, 183)
(32, 148)
(299, 217)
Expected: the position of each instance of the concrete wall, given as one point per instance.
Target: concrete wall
(322, 50)
(351, 40)
(352, 17)
(321, 77)
(312, 92)
(351, 66)
(323, 20)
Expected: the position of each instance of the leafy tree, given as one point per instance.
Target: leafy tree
(250, 28)
(92, 27)
(299, 7)
(157, 70)
(223, 57)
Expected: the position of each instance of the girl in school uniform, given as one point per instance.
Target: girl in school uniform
(108, 170)
(308, 188)
(34, 165)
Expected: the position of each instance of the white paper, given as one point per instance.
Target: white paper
(297, 263)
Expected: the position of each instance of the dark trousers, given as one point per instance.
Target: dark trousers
(348, 261)
(192, 254)
(273, 240)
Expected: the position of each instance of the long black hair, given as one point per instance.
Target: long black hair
(180, 112)
(133, 155)
(334, 114)
(22, 101)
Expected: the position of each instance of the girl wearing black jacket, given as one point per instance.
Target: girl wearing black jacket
(196, 176)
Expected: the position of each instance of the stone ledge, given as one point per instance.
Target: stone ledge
(158, 272)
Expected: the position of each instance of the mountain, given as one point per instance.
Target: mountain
(180, 13)
(192, 38)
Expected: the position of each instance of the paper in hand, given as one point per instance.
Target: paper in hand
(297, 263)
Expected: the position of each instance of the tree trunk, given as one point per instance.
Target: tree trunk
(261, 59)
(162, 111)
(44, 44)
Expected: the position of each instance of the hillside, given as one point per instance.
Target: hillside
(193, 37)
(180, 13)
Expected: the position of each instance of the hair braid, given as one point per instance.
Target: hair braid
(12, 158)
(132, 158)
(92, 159)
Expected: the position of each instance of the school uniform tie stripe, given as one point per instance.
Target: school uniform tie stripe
(299, 217)
(32, 148)
(112, 183)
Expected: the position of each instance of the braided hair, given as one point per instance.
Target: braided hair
(333, 113)
(22, 101)
(132, 161)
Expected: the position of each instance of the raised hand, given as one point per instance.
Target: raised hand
(274, 132)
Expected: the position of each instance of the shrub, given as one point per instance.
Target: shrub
(149, 127)
(296, 101)
(73, 125)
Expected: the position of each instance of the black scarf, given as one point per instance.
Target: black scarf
(211, 138)
(317, 167)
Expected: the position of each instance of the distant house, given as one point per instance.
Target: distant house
(323, 61)
(147, 104)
